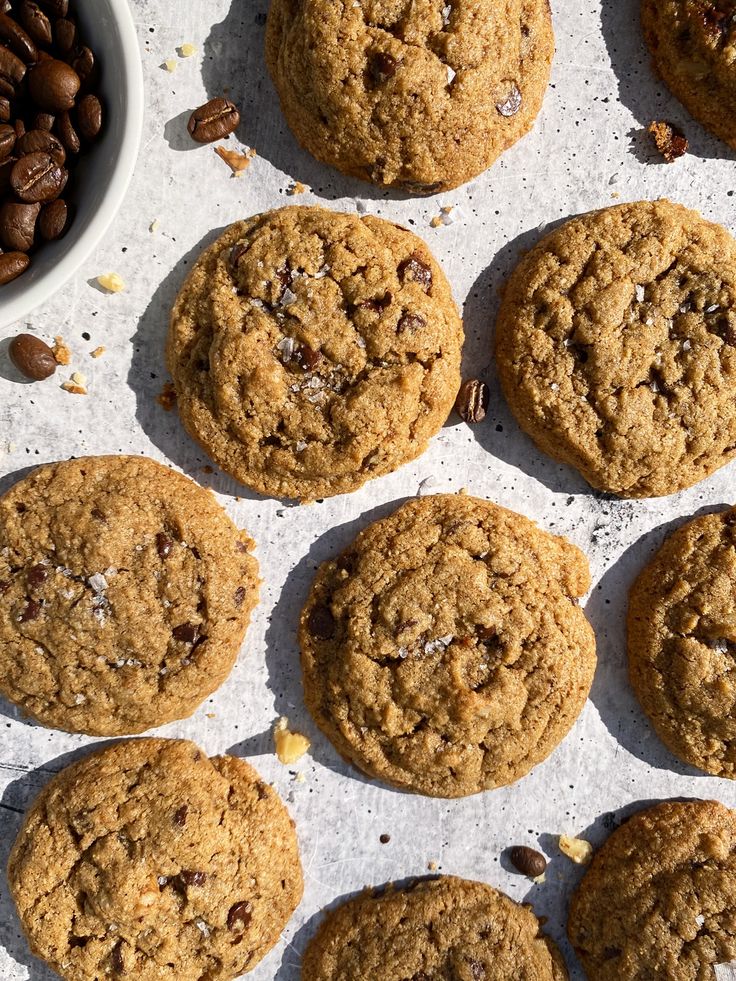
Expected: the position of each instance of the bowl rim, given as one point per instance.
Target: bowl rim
(120, 177)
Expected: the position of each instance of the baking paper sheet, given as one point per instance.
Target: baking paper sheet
(588, 150)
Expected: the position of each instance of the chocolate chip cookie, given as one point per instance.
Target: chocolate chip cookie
(148, 860)
(312, 351)
(692, 44)
(616, 347)
(421, 95)
(445, 652)
(445, 929)
(125, 593)
(682, 642)
(659, 898)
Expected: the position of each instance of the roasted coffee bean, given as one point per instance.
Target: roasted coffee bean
(67, 133)
(65, 33)
(12, 72)
(7, 140)
(29, 354)
(17, 39)
(213, 121)
(37, 177)
(53, 85)
(12, 264)
(44, 121)
(40, 141)
(321, 623)
(472, 401)
(18, 226)
(239, 917)
(4, 110)
(20, 128)
(36, 23)
(6, 169)
(89, 117)
(59, 8)
(381, 67)
(54, 220)
(528, 861)
(416, 269)
(84, 65)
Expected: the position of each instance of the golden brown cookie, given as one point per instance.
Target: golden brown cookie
(125, 593)
(616, 347)
(445, 652)
(312, 351)
(445, 929)
(148, 860)
(421, 95)
(682, 642)
(659, 898)
(693, 45)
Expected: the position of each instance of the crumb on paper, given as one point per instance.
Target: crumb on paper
(426, 485)
(670, 142)
(62, 354)
(290, 746)
(576, 849)
(186, 50)
(98, 352)
(170, 65)
(297, 188)
(432, 866)
(166, 398)
(79, 379)
(207, 468)
(300, 777)
(236, 161)
(211, 715)
(73, 388)
(154, 226)
(539, 879)
(444, 217)
(111, 282)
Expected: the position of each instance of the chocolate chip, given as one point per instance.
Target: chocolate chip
(116, 958)
(241, 547)
(31, 356)
(381, 67)
(376, 304)
(180, 816)
(98, 514)
(214, 120)
(31, 612)
(511, 104)
(193, 878)
(4, 586)
(12, 264)
(410, 322)
(239, 917)
(321, 623)
(416, 269)
(164, 544)
(669, 140)
(36, 575)
(186, 633)
(305, 357)
(239, 595)
(477, 970)
(236, 254)
(610, 952)
(472, 401)
(528, 861)
(79, 941)
(53, 85)
(418, 187)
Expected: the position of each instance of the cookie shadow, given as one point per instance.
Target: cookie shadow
(612, 693)
(641, 90)
(234, 66)
(499, 433)
(148, 374)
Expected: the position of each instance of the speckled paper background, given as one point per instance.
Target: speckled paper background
(588, 150)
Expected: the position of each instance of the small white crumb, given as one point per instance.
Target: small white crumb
(98, 352)
(154, 226)
(187, 50)
(170, 65)
(639, 292)
(79, 378)
(290, 746)
(576, 849)
(111, 282)
(426, 485)
(539, 879)
(300, 778)
(296, 188)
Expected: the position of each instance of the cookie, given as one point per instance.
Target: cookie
(311, 351)
(125, 593)
(422, 96)
(616, 347)
(444, 929)
(148, 860)
(445, 652)
(659, 898)
(682, 642)
(692, 46)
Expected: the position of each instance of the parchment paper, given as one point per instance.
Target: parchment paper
(588, 150)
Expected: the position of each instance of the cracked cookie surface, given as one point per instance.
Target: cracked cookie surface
(313, 350)
(616, 347)
(682, 642)
(417, 94)
(446, 929)
(693, 46)
(148, 860)
(659, 898)
(444, 652)
(125, 593)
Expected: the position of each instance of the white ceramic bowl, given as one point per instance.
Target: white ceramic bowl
(102, 176)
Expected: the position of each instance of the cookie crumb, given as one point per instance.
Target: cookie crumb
(576, 849)
(432, 866)
(237, 162)
(73, 388)
(166, 398)
(98, 352)
(300, 778)
(290, 746)
(62, 354)
(186, 50)
(154, 226)
(170, 65)
(297, 188)
(539, 879)
(111, 282)
(670, 142)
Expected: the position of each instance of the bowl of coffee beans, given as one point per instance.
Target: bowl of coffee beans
(71, 112)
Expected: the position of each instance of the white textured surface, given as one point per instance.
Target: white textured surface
(587, 147)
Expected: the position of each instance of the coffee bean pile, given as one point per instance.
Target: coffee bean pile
(49, 114)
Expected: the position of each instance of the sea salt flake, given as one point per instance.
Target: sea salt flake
(80, 699)
(202, 927)
(639, 292)
(451, 73)
(98, 582)
(712, 308)
(446, 14)
(287, 347)
(686, 345)
(300, 445)
(288, 297)
(403, 652)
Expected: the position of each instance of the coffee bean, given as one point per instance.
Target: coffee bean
(6, 169)
(39, 140)
(54, 220)
(18, 226)
(528, 861)
(416, 269)
(84, 65)
(89, 117)
(29, 354)
(12, 72)
(36, 23)
(12, 264)
(381, 67)
(7, 140)
(186, 633)
(53, 85)
(321, 623)
(472, 401)
(213, 121)
(37, 177)
(44, 120)
(20, 128)
(59, 8)
(239, 917)
(4, 109)
(17, 39)
(65, 32)
(67, 133)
